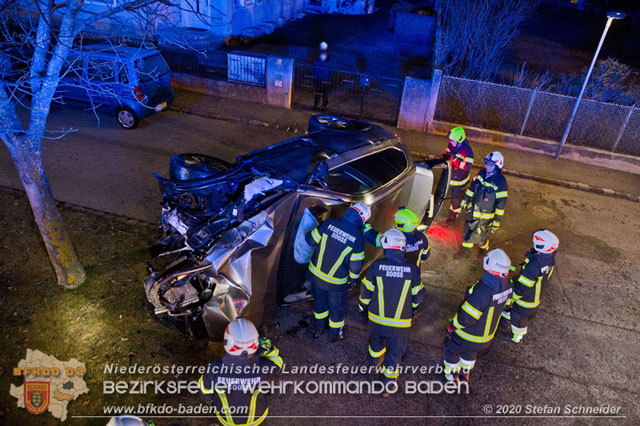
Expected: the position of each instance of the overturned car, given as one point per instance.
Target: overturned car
(230, 230)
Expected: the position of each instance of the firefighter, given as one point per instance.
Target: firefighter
(417, 248)
(475, 324)
(335, 266)
(485, 202)
(460, 154)
(391, 292)
(535, 272)
(232, 384)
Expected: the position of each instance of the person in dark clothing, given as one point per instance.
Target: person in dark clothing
(485, 202)
(335, 266)
(460, 156)
(535, 272)
(232, 384)
(322, 77)
(417, 249)
(390, 293)
(476, 322)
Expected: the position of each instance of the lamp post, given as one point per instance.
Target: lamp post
(610, 17)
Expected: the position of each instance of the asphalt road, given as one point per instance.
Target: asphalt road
(582, 347)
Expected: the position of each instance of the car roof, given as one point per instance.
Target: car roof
(121, 51)
(295, 157)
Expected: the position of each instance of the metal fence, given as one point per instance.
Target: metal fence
(538, 114)
(347, 93)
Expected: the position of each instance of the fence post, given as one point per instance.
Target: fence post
(623, 128)
(526, 117)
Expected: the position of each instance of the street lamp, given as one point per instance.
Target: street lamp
(610, 17)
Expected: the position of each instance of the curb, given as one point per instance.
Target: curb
(258, 123)
(567, 184)
(123, 219)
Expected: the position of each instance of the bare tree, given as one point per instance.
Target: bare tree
(475, 34)
(48, 28)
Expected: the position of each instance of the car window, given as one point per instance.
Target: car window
(100, 70)
(151, 67)
(367, 173)
(123, 74)
(72, 68)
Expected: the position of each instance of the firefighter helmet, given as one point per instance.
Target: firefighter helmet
(497, 263)
(363, 210)
(406, 220)
(241, 337)
(545, 241)
(457, 135)
(495, 158)
(393, 240)
(126, 420)
(324, 45)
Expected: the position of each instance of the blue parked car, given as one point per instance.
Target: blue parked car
(128, 82)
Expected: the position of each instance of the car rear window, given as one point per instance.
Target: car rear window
(367, 173)
(151, 67)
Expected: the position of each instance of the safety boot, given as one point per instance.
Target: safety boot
(510, 337)
(336, 339)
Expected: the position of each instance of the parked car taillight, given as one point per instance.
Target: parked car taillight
(171, 80)
(137, 91)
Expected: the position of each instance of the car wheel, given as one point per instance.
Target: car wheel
(127, 119)
(195, 166)
(326, 121)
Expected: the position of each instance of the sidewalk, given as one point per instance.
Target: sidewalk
(541, 168)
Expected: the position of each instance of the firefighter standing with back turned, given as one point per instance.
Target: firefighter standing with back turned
(476, 322)
(232, 384)
(535, 272)
(485, 202)
(335, 266)
(391, 292)
(417, 249)
(460, 154)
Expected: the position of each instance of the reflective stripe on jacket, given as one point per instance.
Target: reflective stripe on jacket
(534, 274)
(488, 196)
(479, 314)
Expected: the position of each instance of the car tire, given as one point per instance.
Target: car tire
(327, 121)
(126, 118)
(195, 166)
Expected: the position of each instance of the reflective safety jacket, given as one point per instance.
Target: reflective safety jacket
(461, 162)
(340, 253)
(534, 274)
(392, 289)
(417, 251)
(232, 385)
(488, 196)
(478, 317)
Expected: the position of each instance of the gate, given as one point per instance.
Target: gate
(349, 94)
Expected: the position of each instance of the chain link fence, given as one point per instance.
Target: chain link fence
(538, 114)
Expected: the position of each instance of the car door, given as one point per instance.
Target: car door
(101, 81)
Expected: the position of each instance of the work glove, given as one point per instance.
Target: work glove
(465, 204)
(265, 344)
(450, 331)
(494, 227)
(364, 318)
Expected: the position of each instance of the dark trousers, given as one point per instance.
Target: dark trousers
(456, 198)
(391, 348)
(459, 353)
(476, 231)
(322, 90)
(329, 303)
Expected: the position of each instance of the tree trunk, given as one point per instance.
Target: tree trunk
(27, 157)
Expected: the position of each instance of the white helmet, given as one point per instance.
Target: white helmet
(496, 158)
(545, 241)
(363, 210)
(241, 336)
(126, 420)
(393, 239)
(497, 263)
(324, 45)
